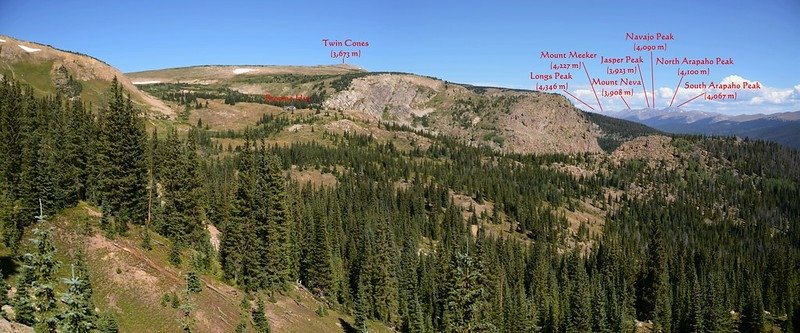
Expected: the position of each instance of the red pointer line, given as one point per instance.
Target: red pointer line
(676, 91)
(693, 98)
(626, 102)
(590, 82)
(646, 99)
(579, 100)
(652, 80)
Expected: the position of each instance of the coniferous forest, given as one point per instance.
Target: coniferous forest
(709, 242)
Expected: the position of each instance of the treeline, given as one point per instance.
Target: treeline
(617, 131)
(182, 93)
(266, 126)
(313, 101)
(189, 95)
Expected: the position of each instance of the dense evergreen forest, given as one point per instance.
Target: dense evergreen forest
(708, 244)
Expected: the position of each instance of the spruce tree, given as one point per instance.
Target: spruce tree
(416, 320)
(580, 315)
(181, 212)
(465, 295)
(78, 144)
(9, 213)
(260, 321)
(599, 309)
(122, 162)
(29, 190)
(12, 127)
(654, 291)
(361, 310)
(35, 300)
(107, 323)
(106, 220)
(717, 316)
(82, 272)
(230, 244)
(320, 278)
(3, 292)
(411, 310)
(193, 283)
(44, 266)
(24, 313)
(50, 183)
(237, 231)
(752, 317)
(386, 298)
(698, 308)
(78, 315)
(278, 265)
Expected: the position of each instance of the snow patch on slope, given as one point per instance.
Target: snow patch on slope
(145, 82)
(28, 49)
(242, 70)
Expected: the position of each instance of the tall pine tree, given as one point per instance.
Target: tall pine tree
(180, 216)
(278, 260)
(122, 179)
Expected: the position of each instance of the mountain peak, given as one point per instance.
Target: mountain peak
(667, 112)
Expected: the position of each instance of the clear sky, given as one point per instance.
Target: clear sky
(485, 43)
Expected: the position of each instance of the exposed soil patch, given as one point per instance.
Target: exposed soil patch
(313, 176)
(653, 148)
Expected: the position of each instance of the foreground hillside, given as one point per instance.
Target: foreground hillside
(144, 292)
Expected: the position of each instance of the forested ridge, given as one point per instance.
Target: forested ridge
(709, 243)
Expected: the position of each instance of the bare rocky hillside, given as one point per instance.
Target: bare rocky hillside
(509, 120)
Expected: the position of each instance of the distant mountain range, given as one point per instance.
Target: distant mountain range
(783, 128)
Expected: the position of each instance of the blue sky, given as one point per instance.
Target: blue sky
(485, 43)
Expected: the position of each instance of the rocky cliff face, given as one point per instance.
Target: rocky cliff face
(510, 120)
(388, 97)
(548, 123)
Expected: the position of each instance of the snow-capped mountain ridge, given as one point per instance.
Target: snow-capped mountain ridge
(688, 116)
